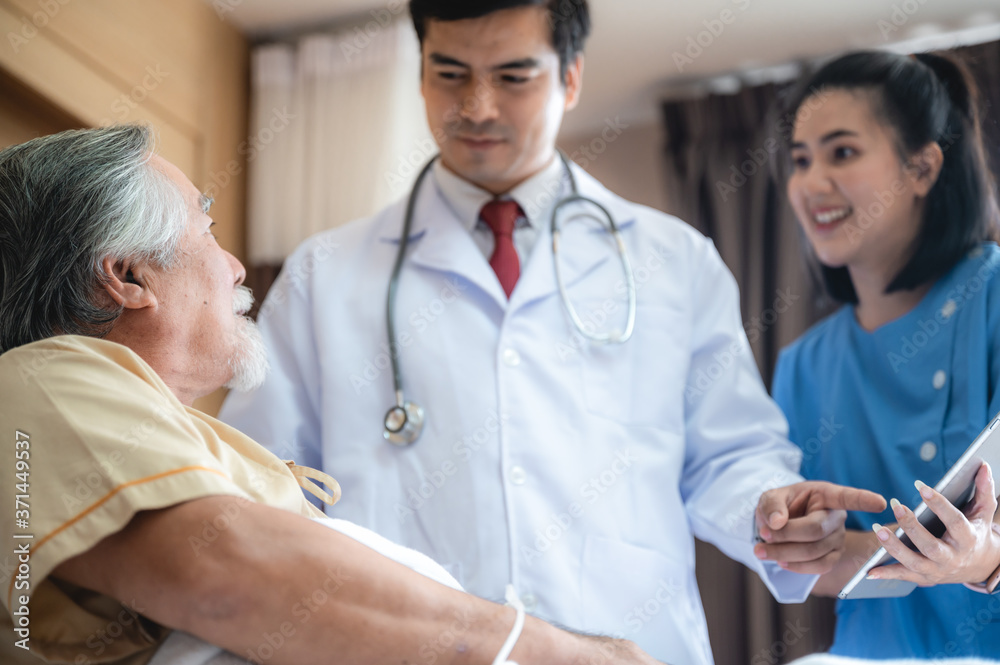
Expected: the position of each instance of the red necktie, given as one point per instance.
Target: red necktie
(501, 217)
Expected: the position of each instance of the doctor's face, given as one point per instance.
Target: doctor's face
(494, 96)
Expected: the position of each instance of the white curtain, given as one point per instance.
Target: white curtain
(337, 131)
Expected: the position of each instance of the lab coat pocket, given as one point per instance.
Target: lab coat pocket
(640, 382)
(645, 596)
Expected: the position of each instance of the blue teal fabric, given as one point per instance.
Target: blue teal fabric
(881, 409)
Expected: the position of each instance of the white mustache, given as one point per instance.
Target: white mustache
(242, 300)
(249, 359)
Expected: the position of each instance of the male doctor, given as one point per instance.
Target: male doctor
(578, 472)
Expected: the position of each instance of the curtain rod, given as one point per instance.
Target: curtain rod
(732, 82)
(382, 17)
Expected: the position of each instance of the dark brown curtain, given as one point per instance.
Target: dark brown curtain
(718, 155)
(984, 62)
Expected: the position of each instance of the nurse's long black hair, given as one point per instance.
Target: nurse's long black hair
(922, 98)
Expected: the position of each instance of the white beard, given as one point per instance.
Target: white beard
(249, 359)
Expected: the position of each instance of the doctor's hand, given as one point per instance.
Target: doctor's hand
(968, 552)
(802, 525)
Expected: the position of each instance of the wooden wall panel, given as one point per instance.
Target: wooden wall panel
(173, 64)
(68, 82)
(127, 40)
(25, 115)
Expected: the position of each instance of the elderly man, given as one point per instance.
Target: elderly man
(135, 513)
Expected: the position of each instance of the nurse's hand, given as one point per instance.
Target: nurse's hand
(968, 552)
(802, 525)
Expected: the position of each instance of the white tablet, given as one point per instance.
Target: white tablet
(958, 486)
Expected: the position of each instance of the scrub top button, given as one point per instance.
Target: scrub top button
(518, 475)
(928, 451)
(511, 358)
(530, 602)
(949, 309)
(940, 378)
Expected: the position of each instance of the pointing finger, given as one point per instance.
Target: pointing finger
(852, 498)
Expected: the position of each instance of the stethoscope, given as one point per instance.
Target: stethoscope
(405, 421)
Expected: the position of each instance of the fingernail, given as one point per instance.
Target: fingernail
(760, 552)
(765, 533)
(873, 576)
(783, 564)
(773, 516)
(924, 490)
(897, 508)
(880, 532)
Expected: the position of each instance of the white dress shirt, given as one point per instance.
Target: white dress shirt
(537, 196)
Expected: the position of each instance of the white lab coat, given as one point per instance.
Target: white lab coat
(576, 472)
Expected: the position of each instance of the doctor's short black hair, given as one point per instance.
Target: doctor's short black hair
(569, 19)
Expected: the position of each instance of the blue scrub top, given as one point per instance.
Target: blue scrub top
(880, 409)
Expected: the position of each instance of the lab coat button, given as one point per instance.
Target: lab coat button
(530, 602)
(511, 358)
(940, 378)
(928, 451)
(518, 476)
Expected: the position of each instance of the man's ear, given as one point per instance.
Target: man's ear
(126, 284)
(574, 82)
(925, 167)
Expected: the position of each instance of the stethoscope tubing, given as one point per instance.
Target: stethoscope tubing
(390, 301)
(404, 422)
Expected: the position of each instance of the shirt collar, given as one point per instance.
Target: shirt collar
(537, 195)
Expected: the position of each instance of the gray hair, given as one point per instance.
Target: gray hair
(67, 202)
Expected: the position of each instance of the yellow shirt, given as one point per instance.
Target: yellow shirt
(99, 438)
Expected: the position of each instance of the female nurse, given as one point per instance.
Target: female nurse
(888, 180)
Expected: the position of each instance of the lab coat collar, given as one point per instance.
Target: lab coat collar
(441, 241)
(623, 211)
(583, 248)
(536, 195)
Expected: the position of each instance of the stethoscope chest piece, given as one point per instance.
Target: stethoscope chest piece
(403, 424)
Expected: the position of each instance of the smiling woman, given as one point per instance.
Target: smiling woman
(858, 202)
(890, 186)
